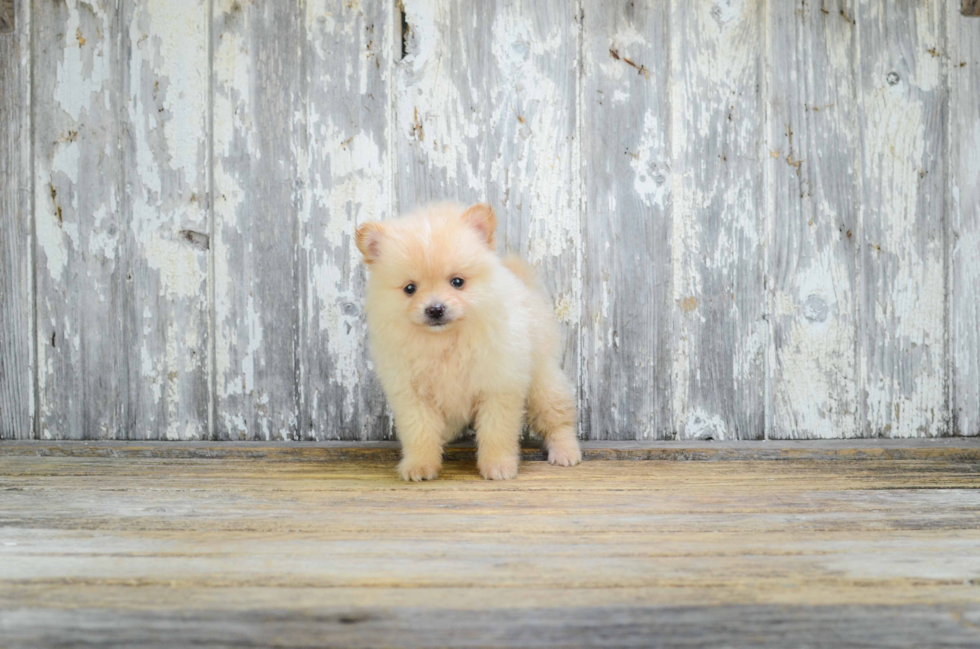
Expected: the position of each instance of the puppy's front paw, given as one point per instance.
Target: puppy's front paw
(501, 468)
(565, 452)
(416, 470)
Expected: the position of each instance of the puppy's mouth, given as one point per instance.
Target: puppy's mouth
(438, 324)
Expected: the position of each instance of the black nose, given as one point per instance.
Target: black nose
(436, 311)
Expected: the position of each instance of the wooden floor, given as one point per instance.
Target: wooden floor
(132, 545)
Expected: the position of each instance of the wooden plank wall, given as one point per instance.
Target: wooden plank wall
(756, 219)
(963, 235)
(17, 357)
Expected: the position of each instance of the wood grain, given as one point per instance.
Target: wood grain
(964, 223)
(626, 271)
(83, 275)
(485, 101)
(120, 206)
(749, 627)
(344, 134)
(814, 201)
(16, 232)
(258, 96)
(719, 222)
(164, 242)
(903, 280)
(177, 550)
(533, 183)
(755, 219)
(441, 107)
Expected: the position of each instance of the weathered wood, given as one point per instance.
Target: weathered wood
(9, 22)
(194, 550)
(164, 208)
(485, 110)
(344, 130)
(258, 127)
(814, 198)
(970, 8)
(533, 183)
(121, 181)
(626, 159)
(679, 172)
(902, 110)
(441, 107)
(719, 224)
(963, 239)
(939, 449)
(737, 627)
(16, 230)
(83, 275)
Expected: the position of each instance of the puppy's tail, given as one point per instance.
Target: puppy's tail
(523, 270)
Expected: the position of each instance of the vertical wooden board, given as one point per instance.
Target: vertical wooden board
(441, 107)
(626, 169)
(82, 345)
(964, 214)
(165, 209)
(258, 126)
(533, 186)
(347, 59)
(814, 194)
(719, 230)
(902, 115)
(16, 231)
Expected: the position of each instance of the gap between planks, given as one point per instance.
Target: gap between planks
(949, 449)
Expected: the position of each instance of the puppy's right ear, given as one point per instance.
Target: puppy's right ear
(369, 237)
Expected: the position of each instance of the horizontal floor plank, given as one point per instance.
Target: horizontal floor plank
(832, 627)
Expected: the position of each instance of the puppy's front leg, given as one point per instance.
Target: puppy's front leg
(498, 435)
(420, 431)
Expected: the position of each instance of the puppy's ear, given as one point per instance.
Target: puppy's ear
(481, 217)
(369, 237)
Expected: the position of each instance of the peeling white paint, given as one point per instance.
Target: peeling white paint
(83, 72)
(503, 116)
(181, 272)
(702, 425)
(432, 110)
(51, 240)
(651, 179)
(903, 360)
(717, 197)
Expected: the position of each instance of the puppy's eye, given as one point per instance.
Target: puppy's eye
(409, 289)
(457, 282)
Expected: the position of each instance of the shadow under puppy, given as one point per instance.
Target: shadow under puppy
(460, 336)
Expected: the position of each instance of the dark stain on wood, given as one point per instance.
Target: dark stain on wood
(640, 69)
(199, 240)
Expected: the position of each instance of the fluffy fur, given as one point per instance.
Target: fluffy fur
(491, 358)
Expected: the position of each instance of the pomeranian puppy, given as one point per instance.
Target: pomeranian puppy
(462, 337)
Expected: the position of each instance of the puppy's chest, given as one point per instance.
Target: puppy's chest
(447, 381)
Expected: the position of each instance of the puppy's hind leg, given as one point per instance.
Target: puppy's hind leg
(551, 414)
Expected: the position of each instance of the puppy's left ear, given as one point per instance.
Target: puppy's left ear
(369, 237)
(481, 217)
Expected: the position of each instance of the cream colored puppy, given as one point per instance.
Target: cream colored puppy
(459, 337)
